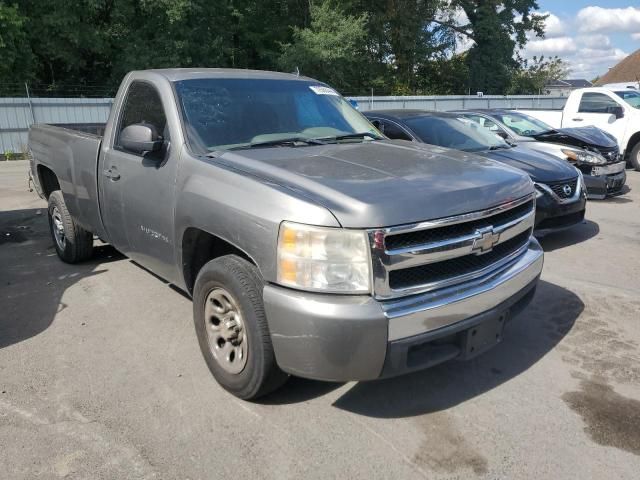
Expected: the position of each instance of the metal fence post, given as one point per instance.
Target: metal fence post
(33, 117)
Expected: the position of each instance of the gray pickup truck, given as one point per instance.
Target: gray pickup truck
(310, 244)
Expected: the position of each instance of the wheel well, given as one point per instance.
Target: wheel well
(48, 180)
(633, 141)
(199, 247)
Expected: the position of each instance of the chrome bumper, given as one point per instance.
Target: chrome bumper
(433, 310)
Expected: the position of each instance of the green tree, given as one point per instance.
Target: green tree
(15, 54)
(402, 39)
(532, 75)
(496, 28)
(330, 49)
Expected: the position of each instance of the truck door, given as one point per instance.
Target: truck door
(596, 108)
(139, 194)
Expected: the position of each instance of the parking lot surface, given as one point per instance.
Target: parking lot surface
(101, 376)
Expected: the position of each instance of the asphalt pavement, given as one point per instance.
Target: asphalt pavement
(101, 376)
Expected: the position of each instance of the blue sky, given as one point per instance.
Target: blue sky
(591, 36)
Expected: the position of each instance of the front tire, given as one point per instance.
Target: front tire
(232, 329)
(72, 242)
(634, 157)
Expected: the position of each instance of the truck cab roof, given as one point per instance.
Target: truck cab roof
(178, 74)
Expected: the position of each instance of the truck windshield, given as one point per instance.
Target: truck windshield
(455, 132)
(631, 97)
(523, 124)
(232, 113)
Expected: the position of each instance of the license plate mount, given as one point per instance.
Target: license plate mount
(482, 337)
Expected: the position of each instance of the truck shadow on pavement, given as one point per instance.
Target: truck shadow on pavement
(529, 337)
(32, 278)
(565, 238)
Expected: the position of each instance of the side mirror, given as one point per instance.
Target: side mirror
(502, 134)
(140, 138)
(378, 124)
(618, 111)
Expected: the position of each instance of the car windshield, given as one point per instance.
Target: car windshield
(231, 113)
(455, 132)
(631, 97)
(522, 124)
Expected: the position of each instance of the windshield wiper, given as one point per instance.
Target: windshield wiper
(347, 136)
(290, 141)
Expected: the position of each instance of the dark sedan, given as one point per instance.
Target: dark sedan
(561, 193)
(592, 150)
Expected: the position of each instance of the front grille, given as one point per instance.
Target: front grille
(559, 188)
(611, 154)
(421, 237)
(437, 272)
(450, 251)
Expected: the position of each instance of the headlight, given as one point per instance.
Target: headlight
(583, 186)
(582, 156)
(323, 259)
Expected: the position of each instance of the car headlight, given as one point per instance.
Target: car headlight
(582, 156)
(323, 259)
(583, 186)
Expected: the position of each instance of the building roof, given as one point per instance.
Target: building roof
(569, 83)
(627, 70)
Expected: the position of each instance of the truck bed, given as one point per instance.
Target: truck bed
(72, 154)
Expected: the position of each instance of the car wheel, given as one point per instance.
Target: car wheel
(634, 157)
(232, 329)
(72, 242)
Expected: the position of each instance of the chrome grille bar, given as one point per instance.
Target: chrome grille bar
(481, 239)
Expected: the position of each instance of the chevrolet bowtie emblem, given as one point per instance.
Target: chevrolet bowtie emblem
(486, 240)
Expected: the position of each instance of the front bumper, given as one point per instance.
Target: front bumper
(553, 216)
(601, 186)
(343, 338)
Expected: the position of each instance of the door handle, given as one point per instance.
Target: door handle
(110, 173)
(577, 119)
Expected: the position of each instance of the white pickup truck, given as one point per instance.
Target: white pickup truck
(614, 111)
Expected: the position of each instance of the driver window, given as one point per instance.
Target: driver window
(394, 132)
(485, 122)
(592, 102)
(143, 105)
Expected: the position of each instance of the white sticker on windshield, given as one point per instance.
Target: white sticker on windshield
(320, 90)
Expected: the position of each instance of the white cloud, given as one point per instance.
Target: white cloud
(551, 46)
(580, 42)
(596, 41)
(553, 26)
(598, 19)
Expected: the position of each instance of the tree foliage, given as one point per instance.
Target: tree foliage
(390, 46)
(532, 75)
(15, 57)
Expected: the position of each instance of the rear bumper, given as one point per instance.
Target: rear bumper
(343, 338)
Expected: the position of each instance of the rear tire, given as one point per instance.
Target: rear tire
(72, 242)
(634, 157)
(232, 328)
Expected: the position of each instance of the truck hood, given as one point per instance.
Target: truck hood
(385, 183)
(579, 137)
(540, 166)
